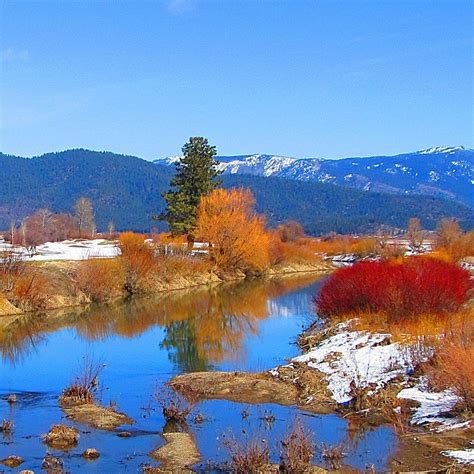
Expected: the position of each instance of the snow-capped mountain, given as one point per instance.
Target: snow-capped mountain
(437, 171)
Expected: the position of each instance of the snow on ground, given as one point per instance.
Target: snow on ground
(68, 250)
(358, 357)
(434, 406)
(463, 456)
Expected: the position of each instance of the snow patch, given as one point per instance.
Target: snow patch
(464, 456)
(355, 357)
(434, 406)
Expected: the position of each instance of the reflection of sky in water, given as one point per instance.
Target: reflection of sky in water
(240, 327)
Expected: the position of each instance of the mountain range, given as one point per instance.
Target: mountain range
(441, 171)
(127, 190)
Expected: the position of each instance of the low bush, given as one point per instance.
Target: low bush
(85, 385)
(100, 278)
(139, 260)
(300, 251)
(400, 290)
(30, 290)
(333, 455)
(251, 457)
(176, 408)
(297, 451)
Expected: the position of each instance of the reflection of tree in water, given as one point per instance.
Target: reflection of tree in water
(180, 342)
(21, 338)
(203, 326)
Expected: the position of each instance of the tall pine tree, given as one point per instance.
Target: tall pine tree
(196, 175)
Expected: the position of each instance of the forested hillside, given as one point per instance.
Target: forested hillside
(127, 190)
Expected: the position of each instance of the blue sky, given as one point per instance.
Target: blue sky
(300, 78)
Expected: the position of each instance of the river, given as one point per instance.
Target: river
(143, 342)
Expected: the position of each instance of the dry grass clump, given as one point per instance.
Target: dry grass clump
(31, 291)
(22, 283)
(297, 450)
(249, 458)
(452, 368)
(61, 437)
(100, 278)
(333, 455)
(84, 386)
(176, 408)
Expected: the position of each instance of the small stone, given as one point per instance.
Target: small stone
(91, 453)
(124, 434)
(12, 461)
(26, 471)
(11, 398)
(52, 463)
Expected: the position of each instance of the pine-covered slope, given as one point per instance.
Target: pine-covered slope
(127, 190)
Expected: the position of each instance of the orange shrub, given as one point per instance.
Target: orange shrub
(30, 290)
(237, 236)
(291, 252)
(138, 258)
(100, 278)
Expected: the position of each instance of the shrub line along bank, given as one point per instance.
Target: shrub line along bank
(72, 284)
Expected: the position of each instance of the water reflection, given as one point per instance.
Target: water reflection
(202, 327)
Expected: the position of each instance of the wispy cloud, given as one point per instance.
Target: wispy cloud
(12, 55)
(180, 7)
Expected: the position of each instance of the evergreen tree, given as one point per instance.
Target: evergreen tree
(196, 175)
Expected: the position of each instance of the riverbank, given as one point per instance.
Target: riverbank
(62, 289)
(367, 378)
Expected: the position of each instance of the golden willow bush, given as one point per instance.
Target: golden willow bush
(238, 239)
(236, 234)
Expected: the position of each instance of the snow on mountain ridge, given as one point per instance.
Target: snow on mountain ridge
(441, 149)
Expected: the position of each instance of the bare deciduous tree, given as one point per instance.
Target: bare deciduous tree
(415, 235)
(84, 216)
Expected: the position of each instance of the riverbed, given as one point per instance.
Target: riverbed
(142, 343)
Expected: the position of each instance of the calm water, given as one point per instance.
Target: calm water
(247, 326)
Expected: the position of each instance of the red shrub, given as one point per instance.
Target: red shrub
(415, 286)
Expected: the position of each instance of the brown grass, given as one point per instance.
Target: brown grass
(61, 437)
(176, 408)
(250, 458)
(30, 290)
(297, 450)
(84, 386)
(453, 368)
(333, 455)
(100, 278)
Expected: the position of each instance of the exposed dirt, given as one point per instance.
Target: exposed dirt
(293, 387)
(94, 415)
(422, 451)
(179, 452)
